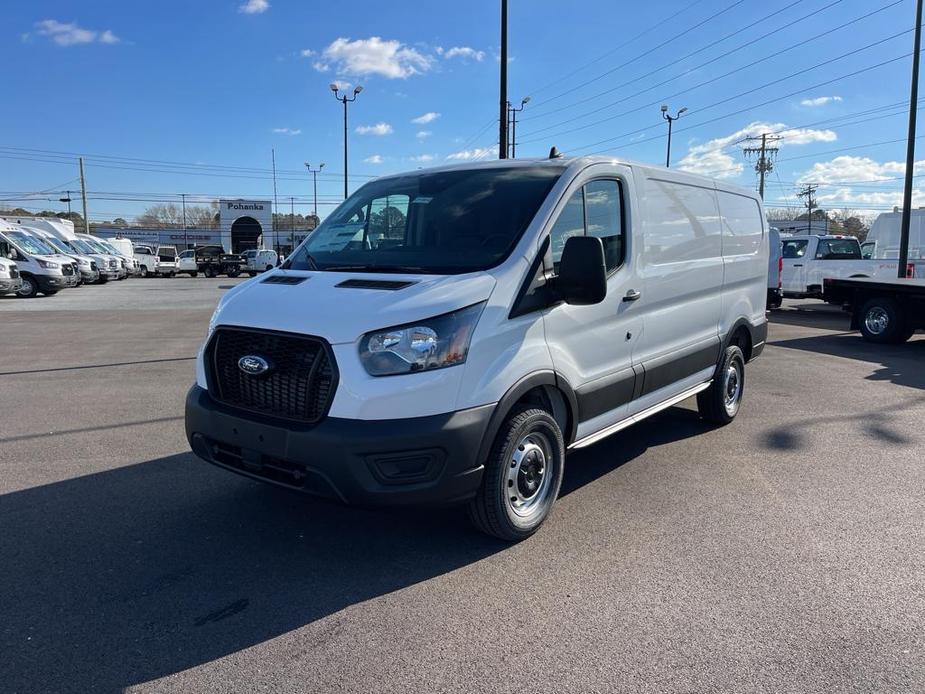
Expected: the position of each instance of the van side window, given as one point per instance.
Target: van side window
(571, 222)
(595, 210)
(838, 249)
(387, 220)
(604, 219)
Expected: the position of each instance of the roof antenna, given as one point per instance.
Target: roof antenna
(555, 153)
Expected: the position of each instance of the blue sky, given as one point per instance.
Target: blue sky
(190, 97)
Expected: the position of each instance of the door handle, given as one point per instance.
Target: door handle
(632, 295)
(798, 265)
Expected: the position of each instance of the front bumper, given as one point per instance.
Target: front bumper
(9, 285)
(416, 461)
(110, 274)
(52, 282)
(89, 275)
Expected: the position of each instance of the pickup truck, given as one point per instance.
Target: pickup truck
(156, 261)
(810, 259)
(885, 310)
(258, 260)
(213, 260)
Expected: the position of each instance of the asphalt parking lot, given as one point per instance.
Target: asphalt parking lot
(781, 553)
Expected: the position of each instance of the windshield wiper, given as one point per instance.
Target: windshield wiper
(377, 268)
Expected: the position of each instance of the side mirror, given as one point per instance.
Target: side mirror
(582, 276)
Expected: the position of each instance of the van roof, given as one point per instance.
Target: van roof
(576, 164)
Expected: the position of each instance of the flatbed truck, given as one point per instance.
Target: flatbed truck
(886, 311)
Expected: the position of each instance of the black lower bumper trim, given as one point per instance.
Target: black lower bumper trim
(415, 461)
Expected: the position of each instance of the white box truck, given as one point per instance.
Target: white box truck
(446, 335)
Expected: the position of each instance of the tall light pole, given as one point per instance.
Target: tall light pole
(345, 100)
(671, 119)
(514, 112)
(502, 117)
(910, 148)
(314, 173)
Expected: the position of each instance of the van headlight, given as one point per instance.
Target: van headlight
(48, 265)
(434, 343)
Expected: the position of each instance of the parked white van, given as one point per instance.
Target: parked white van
(40, 269)
(86, 265)
(446, 335)
(257, 260)
(9, 273)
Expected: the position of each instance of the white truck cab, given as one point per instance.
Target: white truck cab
(40, 269)
(445, 335)
(808, 260)
(159, 260)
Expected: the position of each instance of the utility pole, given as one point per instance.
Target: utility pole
(291, 216)
(502, 116)
(68, 201)
(809, 192)
(766, 155)
(185, 232)
(345, 100)
(83, 195)
(275, 203)
(513, 117)
(910, 147)
(314, 173)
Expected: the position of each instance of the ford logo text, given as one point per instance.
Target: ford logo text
(253, 365)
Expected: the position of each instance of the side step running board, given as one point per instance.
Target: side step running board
(639, 416)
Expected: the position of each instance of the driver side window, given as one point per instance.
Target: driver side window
(594, 210)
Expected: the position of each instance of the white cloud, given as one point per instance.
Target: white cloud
(464, 52)
(254, 7)
(377, 129)
(820, 101)
(423, 134)
(714, 158)
(306, 52)
(288, 131)
(374, 159)
(321, 66)
(848, 168)
(423, 158)
(69, 34)
(342, 85)
(374, 56)
(428, 117)
(473, 154)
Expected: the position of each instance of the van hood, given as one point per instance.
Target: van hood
(318, 306)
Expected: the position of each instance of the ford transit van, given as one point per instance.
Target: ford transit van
(40, 269)
(445, 336)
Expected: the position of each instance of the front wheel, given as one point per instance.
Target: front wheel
(719, 404)
(194, 274)
(50, 292)
(522, 476)
(29, 287)
(210, 272)
(143, 272)
(232, 272)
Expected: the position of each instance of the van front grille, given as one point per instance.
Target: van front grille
(14, 273)
(67, 269)
(298, 384)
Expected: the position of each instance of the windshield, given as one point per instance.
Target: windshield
(81, 246)
(445, 222)
(108, 248)
(96, 246)
(31, 244)
(57, 244)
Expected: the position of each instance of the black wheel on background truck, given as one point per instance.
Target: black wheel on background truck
(210, 271)
(522, 475)
(232, 271)
(882, 321)
(252, 273)
(143, 271)
(194, 274)
(719, 404)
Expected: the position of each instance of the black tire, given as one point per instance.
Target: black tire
(29, 287)
(719, 404)
(143, 271)
(233, 272)
(528, 455)
(882, 322)
(210, 272)
(268, 268)
(252, 274)
(103, 280)
(50, 292)
(194, 274)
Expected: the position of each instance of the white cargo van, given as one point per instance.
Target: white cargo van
(110, 265)
(40, 269)
(9, 273)
(446, 335)
(86, 265)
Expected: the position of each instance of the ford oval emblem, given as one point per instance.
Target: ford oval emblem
(253, 365)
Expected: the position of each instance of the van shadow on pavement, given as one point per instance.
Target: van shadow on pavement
(129, 575)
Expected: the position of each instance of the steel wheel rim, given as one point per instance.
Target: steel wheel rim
(26, 287)
(877, 320)
(732, 388)
(529, 474)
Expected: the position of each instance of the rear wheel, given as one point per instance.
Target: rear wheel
(50, 292)
(719, 404)
(143, 271)
(210, 271)
(194, 274)
(252, 273)
(882, 322)
(522, 475)
(29, 287)
(233, 272)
